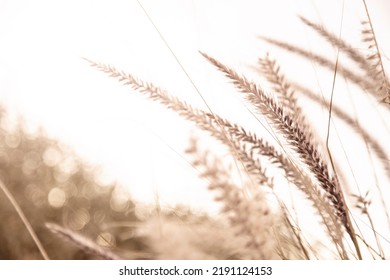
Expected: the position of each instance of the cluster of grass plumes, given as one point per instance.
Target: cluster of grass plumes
(266, 226)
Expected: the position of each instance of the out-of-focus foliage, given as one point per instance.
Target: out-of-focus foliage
(51, 184)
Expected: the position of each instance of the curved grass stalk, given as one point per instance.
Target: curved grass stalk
(25, 221)
(82, 242)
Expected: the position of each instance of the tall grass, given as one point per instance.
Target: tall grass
(287, 177)
(264, 224)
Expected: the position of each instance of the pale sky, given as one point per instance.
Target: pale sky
(137, 141)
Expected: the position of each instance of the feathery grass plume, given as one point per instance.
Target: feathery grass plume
(324, 62)
(250, 216)
(226, 132)
(342, 45)
(285, 93)
(286, 96)
(375, 69)
(84, 243)
(375, 145)
(299, 140)
(363, 203)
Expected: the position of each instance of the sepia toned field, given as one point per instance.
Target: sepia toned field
(267, 144)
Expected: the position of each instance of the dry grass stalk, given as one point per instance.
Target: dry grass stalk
(25, 221)
(82, 242)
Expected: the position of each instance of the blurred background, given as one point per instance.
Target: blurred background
(78, 148)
